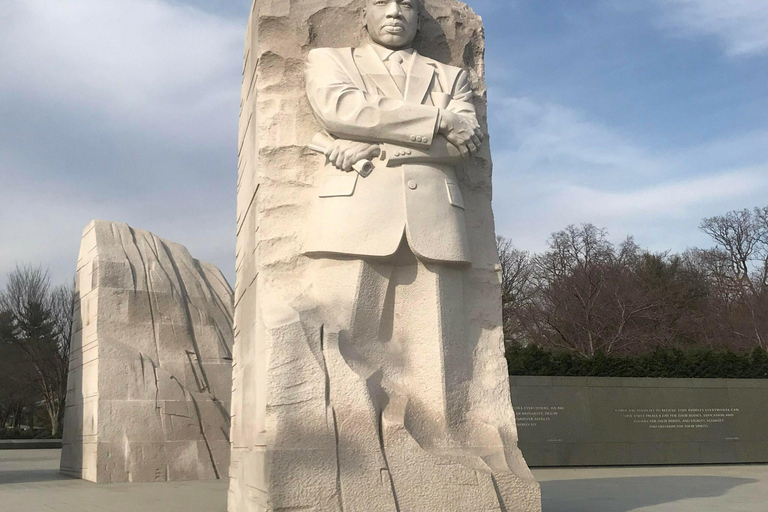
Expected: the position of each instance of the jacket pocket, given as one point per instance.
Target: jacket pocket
(454, 194)
(338, 185)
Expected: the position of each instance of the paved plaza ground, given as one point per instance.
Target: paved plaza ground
(30, 482)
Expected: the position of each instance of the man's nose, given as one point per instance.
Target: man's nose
(394, 10)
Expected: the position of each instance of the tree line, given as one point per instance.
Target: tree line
(583, 298)
(586, 296)
(35, 335)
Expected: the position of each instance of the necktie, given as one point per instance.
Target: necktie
(395, 66)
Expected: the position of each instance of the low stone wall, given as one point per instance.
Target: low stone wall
(30, 444)
(589, 421)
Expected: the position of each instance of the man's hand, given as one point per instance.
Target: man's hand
(346, 153)
(462, 132)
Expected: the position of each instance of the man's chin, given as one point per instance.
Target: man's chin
(395, 41)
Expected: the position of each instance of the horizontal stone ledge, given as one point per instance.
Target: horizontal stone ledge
(30, 444)
(635, 382)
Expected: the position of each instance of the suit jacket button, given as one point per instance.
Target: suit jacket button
(413, 138)
(397, 153)
(407, 151)
(412, 185)
(419, 139)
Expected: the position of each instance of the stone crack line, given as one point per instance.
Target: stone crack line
(202, 432)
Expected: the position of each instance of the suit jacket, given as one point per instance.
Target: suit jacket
(413, 191)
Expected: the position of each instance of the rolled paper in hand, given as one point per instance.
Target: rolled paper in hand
(322, 142)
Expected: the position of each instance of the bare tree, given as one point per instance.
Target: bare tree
(516, 288)
(738, 266)
(63, 313)
(39, 326)
(678, 293)
(579, 285)
(585, 295)
(17, 390)
(591, 296)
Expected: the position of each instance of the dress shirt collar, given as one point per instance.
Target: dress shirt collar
(385, 53)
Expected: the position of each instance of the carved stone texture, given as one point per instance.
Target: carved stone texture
(149, 385)
(362, 384)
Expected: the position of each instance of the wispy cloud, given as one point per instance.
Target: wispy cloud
(742, 25)
(41, 222)
(126, 110)
(674, 198)
(122, 110)
(551, 139)
(145, 62)
(558, 167)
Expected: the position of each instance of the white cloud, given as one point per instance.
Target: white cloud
(553, 139)
(670, 199)
(560, 168)
(151, 89)
(121, 110)
(742, 25)
(134, 61)
(41, 224)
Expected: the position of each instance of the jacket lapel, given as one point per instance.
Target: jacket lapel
(371, 65)
(420, 75)
(348, 63)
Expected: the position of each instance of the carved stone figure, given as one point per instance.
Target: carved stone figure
(415, 112)
(372, 377)
(150, 365)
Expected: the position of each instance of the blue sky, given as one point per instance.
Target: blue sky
(640, 116)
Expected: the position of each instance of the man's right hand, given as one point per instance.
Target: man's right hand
(462, 132)
(346, 153)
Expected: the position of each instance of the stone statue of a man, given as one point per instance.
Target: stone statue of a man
(383, 98)
(391, 252)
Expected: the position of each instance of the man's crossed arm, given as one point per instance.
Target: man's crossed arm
(367, 125)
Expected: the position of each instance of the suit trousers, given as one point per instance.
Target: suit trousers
(390, 327)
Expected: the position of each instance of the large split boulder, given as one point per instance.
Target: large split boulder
(150, 373)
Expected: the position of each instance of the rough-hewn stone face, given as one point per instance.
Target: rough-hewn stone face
(300, 427)
(150, 367)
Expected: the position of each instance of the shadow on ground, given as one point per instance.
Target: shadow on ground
(31, 476)
(631, 493)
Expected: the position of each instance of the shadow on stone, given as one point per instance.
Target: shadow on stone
(432, 41)
(631, 493)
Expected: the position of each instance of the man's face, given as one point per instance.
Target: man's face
(392, 23)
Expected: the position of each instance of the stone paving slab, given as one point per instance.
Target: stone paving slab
(30, 482)
(738, 488)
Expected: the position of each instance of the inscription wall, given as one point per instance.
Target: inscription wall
(585, 421)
